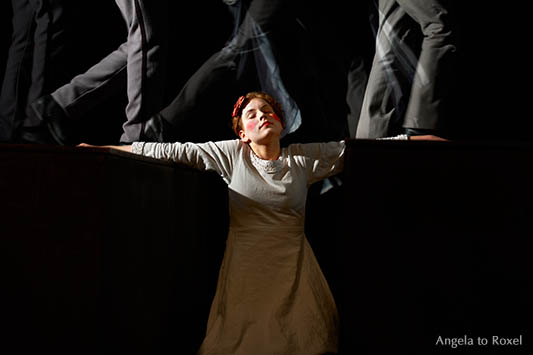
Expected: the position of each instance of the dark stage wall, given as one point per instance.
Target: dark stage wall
(489, 99)
(106, 253)
(108, 250)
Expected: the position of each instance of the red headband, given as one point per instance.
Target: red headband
(237, 106)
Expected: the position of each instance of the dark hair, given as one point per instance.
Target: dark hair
(236, 122)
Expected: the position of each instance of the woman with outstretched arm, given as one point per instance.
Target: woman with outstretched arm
(271, 296)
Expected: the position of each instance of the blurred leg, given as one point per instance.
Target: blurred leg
(17, 77)
(147, 51)
(434, 72)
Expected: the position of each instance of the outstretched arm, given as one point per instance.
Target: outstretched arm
(405, 137)
(427, 137)
(125, 148)
(217, 156)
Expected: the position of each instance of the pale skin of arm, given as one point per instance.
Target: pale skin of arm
(427, 138)
(125, 148)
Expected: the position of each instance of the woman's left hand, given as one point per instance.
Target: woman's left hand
(428, 137)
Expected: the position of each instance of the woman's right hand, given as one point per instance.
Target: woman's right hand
(124, 148)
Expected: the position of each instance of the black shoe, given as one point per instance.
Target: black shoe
(60, 126)
(157, 129)
(34, 135)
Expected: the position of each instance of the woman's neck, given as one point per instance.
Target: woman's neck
(269, 151)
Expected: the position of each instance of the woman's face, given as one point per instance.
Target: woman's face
(260, 123)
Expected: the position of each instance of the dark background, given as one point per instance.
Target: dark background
(489, 105)
(489, 101)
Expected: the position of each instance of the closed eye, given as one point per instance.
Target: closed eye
(267, 109)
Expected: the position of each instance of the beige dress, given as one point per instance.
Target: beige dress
(271, 297)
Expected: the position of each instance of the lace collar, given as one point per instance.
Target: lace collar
(268, 166)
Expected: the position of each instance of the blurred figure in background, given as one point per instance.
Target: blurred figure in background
(138, 66)
(412, 71)
(248, 60)
(33, 64)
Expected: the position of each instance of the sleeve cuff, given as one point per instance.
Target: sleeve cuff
(137, 148)
(400, 137)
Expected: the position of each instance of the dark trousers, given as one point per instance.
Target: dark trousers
(137, 66)
(244, 63)
(407, 88)
(33, 58)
